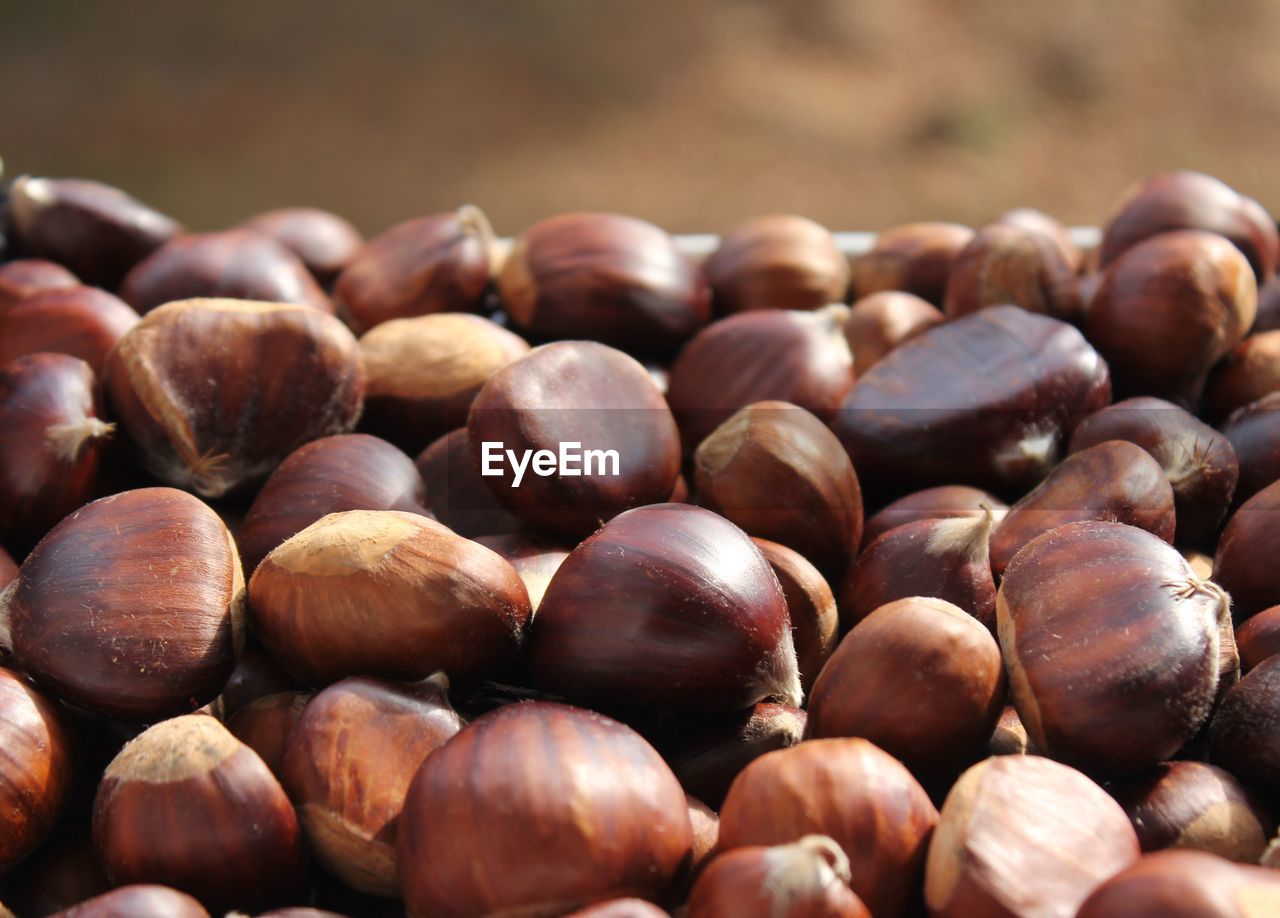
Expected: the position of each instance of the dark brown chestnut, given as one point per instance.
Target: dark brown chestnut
(778, 472)
(921, 679)
(1112, 645)
(1245, 375)
(424, 372)
(189, 805)
(815, 622)
(1199, 462)
(1256, 639)
(850, 790)
(913, 258)
(438, 263)
(84, 322)
(216, 393)
(571, 435)
(8, 569)
(512, 815)
(536, 560)
(1185, 884)
(806, 877)
(256, 675)
(1267, 318)
(96, 231)
(342, 472)
(137, 900)
(63, 872)
(1115, 481)
(347, 767)
(776, 262)
(1245, 730)
(606, 277)
(386, 593)
(1168, 309)
(669, 606)
(1254, 434)
(987, 400)
(457, 494)
(131, 607)
(1009, 263)
(1245, 564)
(777, 355)
(325, 242)
(265, 725)
(51, 443)
(940, 503)
(1068, 836)
(27, 276)
(233, 264)
(879, 322)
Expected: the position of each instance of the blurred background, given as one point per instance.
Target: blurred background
(693, 113)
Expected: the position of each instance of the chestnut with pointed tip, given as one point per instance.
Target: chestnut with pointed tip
(913, 258)
(940, 503)
(26, 277)
(325, 242)
(776, 262)
(1245, 730)
(137, 900)
(81, 321)
(1245, 563)
(815, 621)
(1257, 639)
(1011, 263)
(879, 322)
(457, 494)
(1254, 434)
(1186, 884)
(265, 725)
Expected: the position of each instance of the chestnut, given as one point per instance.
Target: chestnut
(438, 263)
(81, 321)
(1194, 805)
(36, 769)
(535, 560)
(776, 355)
(63, 872)
(131, 607)
(1032, 220)
(1254, 434)
(706, 833)
(215, 393)
(325, 242)
(1267, 318)
(1245, 562)
(571, 435)
(879, 322)
(189, 805)
(347, 767)
(629, 907)
(538, 809)
(986, 400)
(778, 472)
(1257, 639)
(847, 789)
(1168, 309)
(670, 606)
(1010, 735)
(51, 443)
(1245, 375)
(1113, 645)
(232, 264)
(256, 675)
(921, 679)
(1245, 730)
(457, 494)
(98, 232)
(1010, 263)
(137, 900)
(1185, 884)
(806, 877)
(1199, 462)
(1201, 563)
(1114, 481)
(940, 503)
(1192, 200)
(342, 472)
(776, 262)
(913, 258)
(1023, 835)
(424, 372)
(815, 621)
(607, 277)
(27, 276)
(8, 569)
(265, 725)
(386, 593)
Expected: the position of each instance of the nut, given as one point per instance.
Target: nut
(777, 262)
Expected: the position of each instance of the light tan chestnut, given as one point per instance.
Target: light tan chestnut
(880, 322)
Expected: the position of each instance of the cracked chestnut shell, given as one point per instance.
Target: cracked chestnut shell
(1245, 562)
(81, 321)
(325, 242)
(881, 321)
(776, 262)
(913, 258)
(1013, 264)
(215, 393)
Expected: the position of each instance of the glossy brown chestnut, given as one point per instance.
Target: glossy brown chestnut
(1254, 434)
(538, 809)
(234, 264)
(815, 622)
(806, 877)
(348, 765)
(27, 276)
(947, 559)
(921, 679)
(606, 277)
(778, 472)
(52, 438)
(137, 900)
(424, 372)
(847, 789)
(620, 908)
(131, 607)
(342, 472)
(215, 393)
(1068, 836)
(457, 494)
(1186, 884)
(1199, 462)
(913, 258)
(1028, 218)
(1192, 200)
(776, 262)
(189, 805)
(940, 503)
(534, 559)
(386, 593)
(1245, 375)
(36, 769)
(325, 242)
(1168, 309)
(63, 872)
(574, 392)
(1245, 562)
(265, 725)
(96, 231)
(986, 400)
(669, 606)
(439, 263)
(1257, 639)
(1112, 644)
(881, 321)
(1194, 805)
(84, 322)
(1012, 264)
(776, 355)
(1115, 481)
(1245, 730)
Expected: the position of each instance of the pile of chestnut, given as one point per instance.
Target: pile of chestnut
(963, 599)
